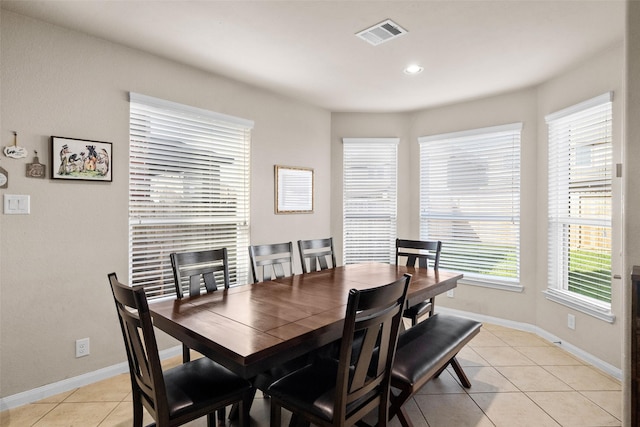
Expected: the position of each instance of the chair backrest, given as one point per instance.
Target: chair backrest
(141, 346)
(368, 346)
(199, 270)
(318, 253)
(421, 251)
(266, 259)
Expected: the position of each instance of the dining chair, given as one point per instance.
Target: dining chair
(274, 258)
(201, 270)
(340, 392)
(180, 394)
(420, 252)
(318, 253)
(196, 271)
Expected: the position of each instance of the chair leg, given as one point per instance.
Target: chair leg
(243, 413)
(211, 420)
(186, 354)
(414, 320)
(221, 417)
(137, 410)
(275, 415)
(234, 411)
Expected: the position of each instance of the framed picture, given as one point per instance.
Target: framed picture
(294, 189)
(81, 159)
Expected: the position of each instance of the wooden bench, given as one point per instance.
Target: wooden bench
(424, 351)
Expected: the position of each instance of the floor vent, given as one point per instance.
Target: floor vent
(381, 32)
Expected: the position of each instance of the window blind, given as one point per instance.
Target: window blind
(188, 189)
(369, 199)
(579, 222)
(470, 200)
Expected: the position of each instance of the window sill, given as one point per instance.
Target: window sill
(492, 284)
(599, 311)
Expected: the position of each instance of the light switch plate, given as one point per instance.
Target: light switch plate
(17, 204)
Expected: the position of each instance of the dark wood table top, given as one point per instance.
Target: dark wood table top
(254, 327)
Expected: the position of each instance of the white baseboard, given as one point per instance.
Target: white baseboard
(49, 390)
(579, 353)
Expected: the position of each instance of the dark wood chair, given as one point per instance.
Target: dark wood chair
(197, 271)
(330, 392)
(202, 270)
(277, 259)
(318, 253)
(178, 395)
(267, 259)
(420, 252)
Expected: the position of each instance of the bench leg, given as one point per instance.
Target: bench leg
(463, 377)
(404, 419)
(396, 407)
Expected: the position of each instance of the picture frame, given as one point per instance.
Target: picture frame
(293, 190)
(81, 159)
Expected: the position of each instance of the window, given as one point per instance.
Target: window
(188, 189)
(470, 200)
(369, 199)
(579, 220)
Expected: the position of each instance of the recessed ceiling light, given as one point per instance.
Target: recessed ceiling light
(413, 69)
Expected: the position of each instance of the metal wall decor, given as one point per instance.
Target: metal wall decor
(35, 169)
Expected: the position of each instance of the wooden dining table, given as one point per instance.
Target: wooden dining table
(252, 328)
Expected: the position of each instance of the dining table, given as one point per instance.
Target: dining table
(255, 327)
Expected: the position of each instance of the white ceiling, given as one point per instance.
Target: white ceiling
(308, 49)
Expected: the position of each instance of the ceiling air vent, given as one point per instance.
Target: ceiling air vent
(381, 32)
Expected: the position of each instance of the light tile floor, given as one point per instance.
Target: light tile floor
(518, 380)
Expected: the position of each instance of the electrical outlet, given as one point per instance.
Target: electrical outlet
(571, 321)
(82, 347)
(450, 293)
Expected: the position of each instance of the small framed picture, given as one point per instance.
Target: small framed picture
(81, 159)
(294, 190)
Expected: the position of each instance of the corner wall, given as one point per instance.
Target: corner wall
(597, 75)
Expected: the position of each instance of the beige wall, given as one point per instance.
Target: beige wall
(529, 106)
(597, 76)
(54, 262)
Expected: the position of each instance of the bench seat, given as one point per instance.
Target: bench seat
(423, 352)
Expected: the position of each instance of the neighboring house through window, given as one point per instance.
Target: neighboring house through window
(580, 199)
(369, 199)
(188, 189)
(470, 200)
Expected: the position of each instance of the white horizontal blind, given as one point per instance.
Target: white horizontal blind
(470, 200)
(188, 189)
(369, 199)
(580, 173)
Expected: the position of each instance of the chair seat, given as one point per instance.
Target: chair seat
(312, 389)
(199, 383)
(264, 379)
(422, 348)
(417, 310)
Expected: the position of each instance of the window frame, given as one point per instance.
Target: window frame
(561, 126)
(379, 155)
(501, 142)
(189, 183)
